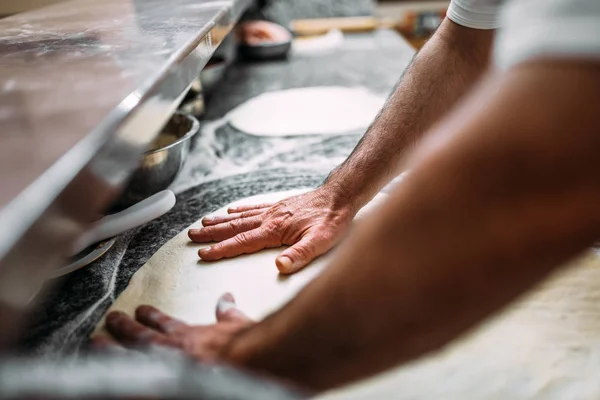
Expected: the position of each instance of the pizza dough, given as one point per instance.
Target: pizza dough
(307, 111)
(546, 346)
(177, 282)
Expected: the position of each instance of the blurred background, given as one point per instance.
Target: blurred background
(414, 19)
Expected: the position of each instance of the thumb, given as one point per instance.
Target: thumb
(302, 253)
(227, 309)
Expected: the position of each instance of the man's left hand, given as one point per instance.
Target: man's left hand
(152, 327)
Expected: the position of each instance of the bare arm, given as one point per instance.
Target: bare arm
(445, 69)
(503, 192)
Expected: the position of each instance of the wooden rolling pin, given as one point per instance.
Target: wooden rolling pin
(320, 26)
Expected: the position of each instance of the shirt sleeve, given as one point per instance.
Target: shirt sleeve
(563, 29)
(477, 14)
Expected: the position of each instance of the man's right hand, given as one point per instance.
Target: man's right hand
(311, 223)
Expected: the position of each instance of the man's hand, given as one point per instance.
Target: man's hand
(504, 191)
(311, 223)
(446, 69)
(152, 327)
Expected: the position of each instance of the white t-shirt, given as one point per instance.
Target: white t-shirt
(531, 29)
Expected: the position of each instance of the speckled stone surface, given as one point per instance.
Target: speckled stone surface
(221, 150)
(224, 165)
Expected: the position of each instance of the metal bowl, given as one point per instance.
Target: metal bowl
(161, 164)
(212, 74)
(266, 51)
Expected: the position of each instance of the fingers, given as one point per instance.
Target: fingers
(243, 243)
(298, 256)
(156, 319)
(131, 333)
(240, 209)
(221, 219)
(227, 310)
(103, 342)
(224, 231)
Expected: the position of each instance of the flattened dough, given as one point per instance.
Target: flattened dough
(177, 282)
(546, 346)
(307, 111)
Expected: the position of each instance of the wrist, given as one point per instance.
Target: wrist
(246, 350)
(251, 350)
(258, 347)
(345, 193)
(232, 352)
(240, 354)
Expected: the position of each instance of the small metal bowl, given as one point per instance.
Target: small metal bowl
(212, 74)
(266, 51)
(161, 164)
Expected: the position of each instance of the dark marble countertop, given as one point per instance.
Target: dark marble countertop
(224, 165)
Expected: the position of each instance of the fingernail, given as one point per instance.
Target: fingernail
(225, 303)
(228, 297)
(113, 317)
(204, 251)
(284, 264)
(154, 315)
(208, 219)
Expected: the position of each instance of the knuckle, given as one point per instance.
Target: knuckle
(241, 239)
(301, 251)
(323, 235)
(283, 210)
(208, 231)
(234, 225)
(305, 250)
(275, 226)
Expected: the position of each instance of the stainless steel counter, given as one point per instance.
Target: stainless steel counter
(85, 85)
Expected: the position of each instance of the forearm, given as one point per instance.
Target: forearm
(481, 218)
(444, 70)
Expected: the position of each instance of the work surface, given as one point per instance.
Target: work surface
(542, 347)
(81, 82)
(225, 165)
(87, 59)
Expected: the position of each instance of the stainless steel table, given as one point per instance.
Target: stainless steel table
(85, 85)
